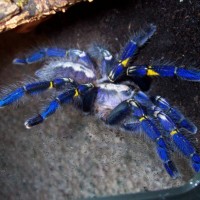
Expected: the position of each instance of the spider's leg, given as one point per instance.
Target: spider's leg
(104, 59)
(148, 127)
(133, 126)
(177, 117)
(54, 52)
(171, 119)
(181, 142)
(64, 98)
(40, 55)
(163, 71)
(129, 50)
(33, 88)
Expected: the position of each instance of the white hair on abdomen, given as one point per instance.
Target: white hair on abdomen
(63, 67)
(79, 68)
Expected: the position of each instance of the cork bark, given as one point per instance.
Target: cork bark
(29, 13)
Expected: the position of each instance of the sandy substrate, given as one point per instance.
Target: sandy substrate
(73, 155)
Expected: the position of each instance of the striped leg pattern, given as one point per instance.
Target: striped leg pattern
(180, 141)
(175, 115)
(64, 98)
(163, 71)
(33, 88)
(148, 113)
(77, 90)
(42, 54)
(138, 40)
(149, 127)
(172, 121)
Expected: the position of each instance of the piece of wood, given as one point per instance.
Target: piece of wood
(29, 13)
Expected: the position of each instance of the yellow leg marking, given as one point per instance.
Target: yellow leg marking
(151, 72)
(51, 85)
(125, 62)
(142, 118)
(76, 93)
(173, 132)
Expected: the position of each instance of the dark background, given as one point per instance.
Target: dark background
(71, 155)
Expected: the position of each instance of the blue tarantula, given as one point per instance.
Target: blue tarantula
(114, 92)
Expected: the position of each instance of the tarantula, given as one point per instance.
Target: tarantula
(114, 91)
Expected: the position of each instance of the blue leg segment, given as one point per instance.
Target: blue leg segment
(132, 126)
(40, 55)
(177, 117)
(118, 113)
(129, 50)
(171, 119)
(150, 111)
(164, 71)
(64, 98)
(144, 35)
(142, 98)
(71, 54)
(148, 127)
(154, 134)
(161, 149)
(138, 40)
(181, 142)
(188, 74)
(12, 97)
(164, 156)
(33, 88)
(104, 59)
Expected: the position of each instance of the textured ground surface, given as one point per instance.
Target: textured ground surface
(72, 155)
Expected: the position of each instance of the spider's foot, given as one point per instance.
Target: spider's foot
(40, 55)
(188, 74)
(171, 169)
(33, 121)
(36, 57)
(144, 35)
(19, 61)
(195, 159)
(51, 109)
